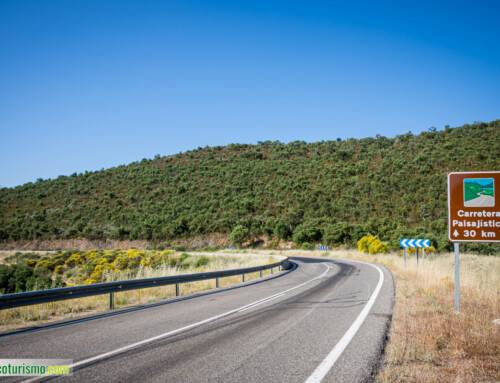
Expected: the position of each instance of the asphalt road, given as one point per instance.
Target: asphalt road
(481, 200)
(288, 328)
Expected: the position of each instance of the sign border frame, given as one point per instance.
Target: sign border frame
(449, 208)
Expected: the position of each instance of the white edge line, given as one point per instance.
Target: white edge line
(325, 366)
(188, 327)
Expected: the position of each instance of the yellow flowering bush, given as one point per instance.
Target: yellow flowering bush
(85, 267)
(372, 245)
(411, 250)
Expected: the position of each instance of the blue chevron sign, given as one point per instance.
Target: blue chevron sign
(414, 242)
(323, 248)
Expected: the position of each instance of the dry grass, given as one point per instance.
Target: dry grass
(55, 311)
(430, 341)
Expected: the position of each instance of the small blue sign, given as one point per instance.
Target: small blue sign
(231, 247)
(415, 243)
(323, 248)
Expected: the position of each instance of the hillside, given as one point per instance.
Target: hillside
(332, 192)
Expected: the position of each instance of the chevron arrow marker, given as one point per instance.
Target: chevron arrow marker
(414, 243)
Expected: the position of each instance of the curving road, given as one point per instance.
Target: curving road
(482, 200)
(324, 321)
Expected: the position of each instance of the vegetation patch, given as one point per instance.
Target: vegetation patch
(76, 268)
(372, 245)
(329, 192)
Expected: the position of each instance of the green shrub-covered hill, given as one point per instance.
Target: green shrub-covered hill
(329, 192)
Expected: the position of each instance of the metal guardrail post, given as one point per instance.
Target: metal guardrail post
(272, 270)
(111, 301)
(176, 289)
(243, 277)
(261, 273)
(217, 283)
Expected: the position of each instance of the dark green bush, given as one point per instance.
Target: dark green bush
(307, 246)
(202, 261)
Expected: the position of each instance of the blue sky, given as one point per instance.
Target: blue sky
(480, 181)
(87, 85)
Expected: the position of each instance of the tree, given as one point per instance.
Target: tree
(336, 234)
(239, 234)
(307, 232)
(281, 231)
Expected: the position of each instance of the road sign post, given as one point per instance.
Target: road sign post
(457, 277)
(473, 212)
(417, 243)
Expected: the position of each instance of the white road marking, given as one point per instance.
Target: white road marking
(260, 302)
(325, 366)
(188, 327)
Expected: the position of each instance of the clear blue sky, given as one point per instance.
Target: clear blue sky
(86, 85)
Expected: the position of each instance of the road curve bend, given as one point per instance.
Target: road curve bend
(325, 321)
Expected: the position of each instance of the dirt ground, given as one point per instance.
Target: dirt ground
(212, 240)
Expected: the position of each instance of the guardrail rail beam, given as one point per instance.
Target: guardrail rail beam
(63, 293)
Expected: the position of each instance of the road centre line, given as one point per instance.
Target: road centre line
(326, 365)
(185, 328)
(261, 302)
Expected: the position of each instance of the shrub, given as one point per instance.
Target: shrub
(184, 263)
(202, 261)
(18, 278)
(307, 246)
(372, 245)
(306, 232)
(239, 234)
(281, 231)
(172, 262)
(333, 234)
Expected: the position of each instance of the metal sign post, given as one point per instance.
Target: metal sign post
(457, 277)
(473, 212)
(417, 243)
